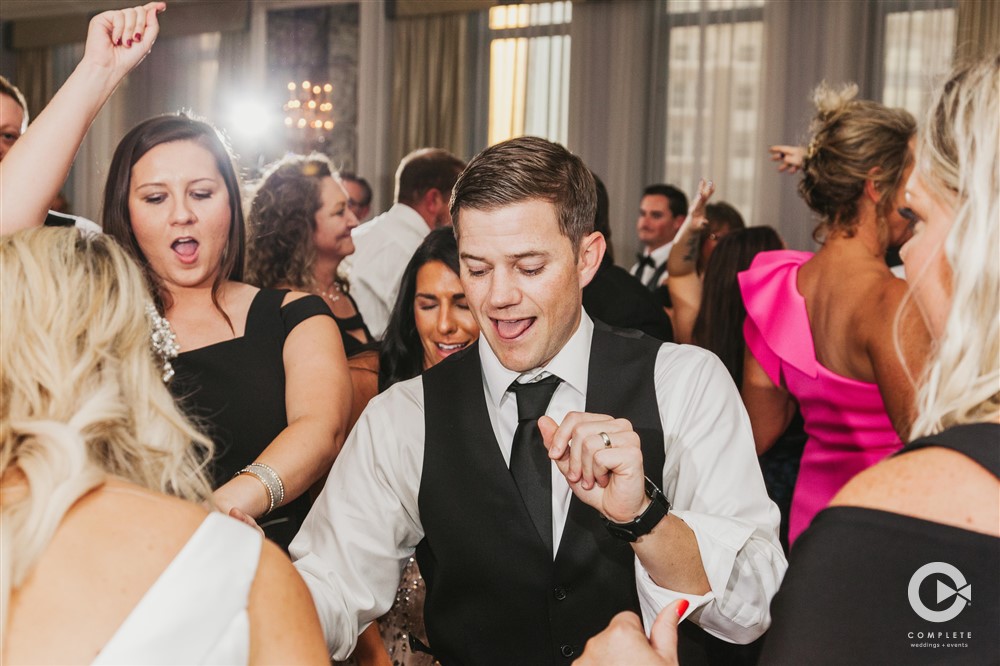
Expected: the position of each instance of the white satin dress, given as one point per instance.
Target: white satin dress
(196, 611)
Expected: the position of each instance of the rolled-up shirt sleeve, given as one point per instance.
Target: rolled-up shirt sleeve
(712, 478)
(364, 525)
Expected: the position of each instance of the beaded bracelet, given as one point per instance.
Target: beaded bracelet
(272, 483)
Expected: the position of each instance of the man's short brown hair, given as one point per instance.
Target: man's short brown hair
(426, 169)
(530, 168)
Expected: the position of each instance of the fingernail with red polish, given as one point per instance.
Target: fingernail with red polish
(682, 607)
(138, 37)
(128, 43)
(119, 42)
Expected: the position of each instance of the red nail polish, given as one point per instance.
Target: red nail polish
(128, 43)
(682, 607)
(119, 42)
(138, 37)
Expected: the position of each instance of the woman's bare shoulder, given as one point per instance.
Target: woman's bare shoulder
(284, 626)
(934, 484)
(112, 545)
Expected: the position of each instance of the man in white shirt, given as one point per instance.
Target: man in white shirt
(661, 213)
(383, 246)
(359, 195)
(511, 579)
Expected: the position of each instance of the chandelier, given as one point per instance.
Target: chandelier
(309, 112)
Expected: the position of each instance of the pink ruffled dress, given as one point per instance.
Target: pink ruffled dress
(845, 419)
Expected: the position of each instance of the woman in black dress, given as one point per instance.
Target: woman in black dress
(259, 371)
(300, 232)
(263, 371)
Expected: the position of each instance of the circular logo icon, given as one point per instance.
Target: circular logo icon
(959, 588)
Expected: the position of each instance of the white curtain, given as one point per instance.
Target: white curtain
(611, 104)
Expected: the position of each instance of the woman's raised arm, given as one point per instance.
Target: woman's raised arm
(36, 167)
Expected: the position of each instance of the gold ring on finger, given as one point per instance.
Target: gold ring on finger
(607, 440)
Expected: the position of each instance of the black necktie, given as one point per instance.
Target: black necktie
(529, 460)
(644, 260)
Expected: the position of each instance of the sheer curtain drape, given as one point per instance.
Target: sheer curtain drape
(611, 104)
(430, 90)
(673, 90)
(978, 28)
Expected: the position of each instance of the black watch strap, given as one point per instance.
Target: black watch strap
(644, 523)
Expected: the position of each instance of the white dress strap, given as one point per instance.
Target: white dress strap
(196, 611)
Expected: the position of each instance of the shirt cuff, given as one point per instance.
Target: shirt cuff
(653, 598)
(719, 541)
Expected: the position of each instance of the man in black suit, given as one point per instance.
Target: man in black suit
(614, 296)
(661, 213)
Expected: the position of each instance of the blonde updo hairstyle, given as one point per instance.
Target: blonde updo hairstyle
(957, 159)
(82, 398)
(853, 141)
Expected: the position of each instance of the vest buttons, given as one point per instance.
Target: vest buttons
(567, 651)
(559, 593)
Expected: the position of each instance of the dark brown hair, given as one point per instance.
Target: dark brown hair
(529, 168)
(719, 325)
(283, 221)
(401, 355)
(426, 169)
(117, 221)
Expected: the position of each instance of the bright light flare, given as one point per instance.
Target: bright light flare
(250, 119)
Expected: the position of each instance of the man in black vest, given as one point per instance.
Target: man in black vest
(555, 473)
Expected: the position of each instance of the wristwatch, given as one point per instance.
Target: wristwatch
(644, 523)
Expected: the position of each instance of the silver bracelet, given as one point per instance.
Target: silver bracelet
(272, 483)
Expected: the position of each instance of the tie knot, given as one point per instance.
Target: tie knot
(533, 398)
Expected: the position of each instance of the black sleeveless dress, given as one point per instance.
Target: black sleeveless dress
(872, 587)
(234, 390)
(352, 345)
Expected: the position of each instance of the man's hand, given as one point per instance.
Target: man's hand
(624, 641)
(602, 461)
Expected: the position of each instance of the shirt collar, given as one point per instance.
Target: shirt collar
(660, 254)
(409, 218)
(571, 364)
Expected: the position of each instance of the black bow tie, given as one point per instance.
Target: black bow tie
(645, 260)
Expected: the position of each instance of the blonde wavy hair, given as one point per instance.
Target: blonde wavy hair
(853, 141)
(81, 397)
(957, 158)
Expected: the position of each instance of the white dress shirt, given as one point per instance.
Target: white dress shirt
(383, 247)
(365, 524)
(659, 255)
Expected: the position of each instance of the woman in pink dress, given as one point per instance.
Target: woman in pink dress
(820, 326)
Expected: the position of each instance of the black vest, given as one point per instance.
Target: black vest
(494, 594)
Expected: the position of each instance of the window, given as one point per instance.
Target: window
(918, 52)
(529, 71)
(713, 99)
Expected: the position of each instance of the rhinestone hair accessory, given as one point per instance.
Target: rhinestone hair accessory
(162, 341)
